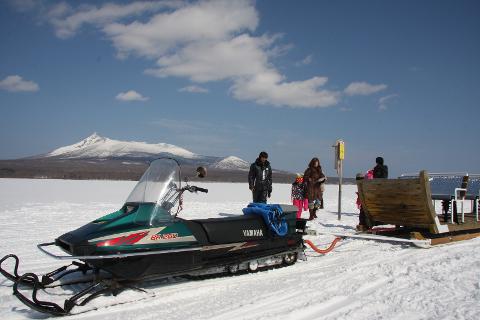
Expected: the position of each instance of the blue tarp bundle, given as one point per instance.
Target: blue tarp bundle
(272, 215)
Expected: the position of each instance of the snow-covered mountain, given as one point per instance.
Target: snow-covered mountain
(232, 162)
(96, 147)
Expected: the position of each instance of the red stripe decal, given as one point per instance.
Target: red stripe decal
(124, 240)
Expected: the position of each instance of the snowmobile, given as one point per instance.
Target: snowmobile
(146, 239)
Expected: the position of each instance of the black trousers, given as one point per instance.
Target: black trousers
(361, 217)
(260, 195)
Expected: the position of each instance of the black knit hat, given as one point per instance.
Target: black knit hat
(263, 154)
(379, 160)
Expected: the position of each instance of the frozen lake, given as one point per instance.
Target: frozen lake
(358, 280)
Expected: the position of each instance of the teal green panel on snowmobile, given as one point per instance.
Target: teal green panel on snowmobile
(140, 217)
(146, 216)
(119, 222)
(152, 215)
(146, 213)
(109, 216)
(150, 226)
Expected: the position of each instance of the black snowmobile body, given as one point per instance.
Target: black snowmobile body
(211, 242)
(146, 240)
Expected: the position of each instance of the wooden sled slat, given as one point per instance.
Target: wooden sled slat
(407, 204)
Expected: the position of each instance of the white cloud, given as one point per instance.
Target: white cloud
(216, 60)
(204, 21)
(269, 88)
(363, 88)
(193, 89)
(244, 60)
(130, 95)
(67, 21)
(383, 101)
(308, 59)
(278, 50)
(18, 84)
(55, 14)
(204, 41)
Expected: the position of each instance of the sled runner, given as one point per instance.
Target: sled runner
(408, 204)
(421, 243)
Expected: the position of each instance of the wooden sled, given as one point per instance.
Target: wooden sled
(407, 204)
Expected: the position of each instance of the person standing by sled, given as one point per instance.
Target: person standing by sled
(260, 178)
(362, 220)
(299, 195)
(380, 170)
(314, 179)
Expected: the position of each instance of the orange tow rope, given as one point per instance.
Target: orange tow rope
(323, 251)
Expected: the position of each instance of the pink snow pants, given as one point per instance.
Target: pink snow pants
(301, 205)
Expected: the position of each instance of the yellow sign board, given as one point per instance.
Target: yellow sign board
(341, 150)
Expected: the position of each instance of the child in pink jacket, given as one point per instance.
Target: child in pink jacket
(299, 195)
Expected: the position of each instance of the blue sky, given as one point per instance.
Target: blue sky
(398, 79)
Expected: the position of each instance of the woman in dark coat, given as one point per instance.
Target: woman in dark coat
(314, 179)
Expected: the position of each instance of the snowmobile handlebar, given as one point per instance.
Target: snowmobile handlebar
(202, 190)
(196, 189)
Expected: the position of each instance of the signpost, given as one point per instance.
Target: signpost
(339, 156)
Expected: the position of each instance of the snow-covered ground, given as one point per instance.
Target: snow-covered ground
(358, 280)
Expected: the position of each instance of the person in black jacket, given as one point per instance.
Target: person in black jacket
(380, 170)
(260, 178)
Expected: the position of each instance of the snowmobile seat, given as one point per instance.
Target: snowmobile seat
(287, 208)
(234, 229)
(290, 213)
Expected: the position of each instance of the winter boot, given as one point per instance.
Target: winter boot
(312, 214)
(361, 228)
(321, 204)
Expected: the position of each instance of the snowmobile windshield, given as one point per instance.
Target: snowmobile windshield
(159, 187)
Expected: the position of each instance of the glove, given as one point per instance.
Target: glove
(322, 180)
